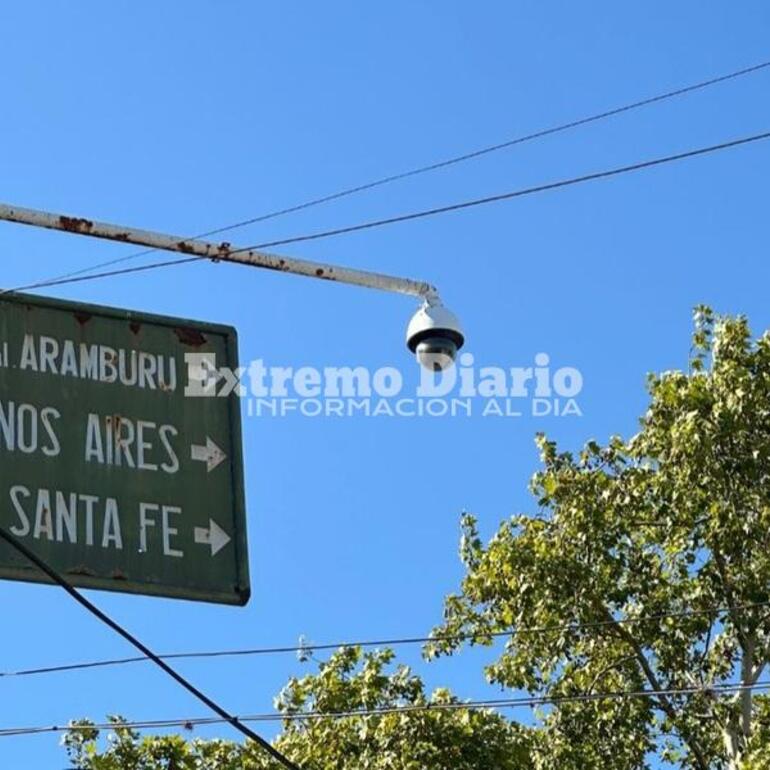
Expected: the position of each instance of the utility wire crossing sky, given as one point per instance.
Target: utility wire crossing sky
(57, 280)
(639, 166)
(309, 648)
(296, 716)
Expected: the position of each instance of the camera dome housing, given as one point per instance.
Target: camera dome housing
(434, 335)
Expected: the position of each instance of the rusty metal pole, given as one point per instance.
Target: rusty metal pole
(219, 252)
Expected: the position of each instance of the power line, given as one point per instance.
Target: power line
(421, 214)
(439, 164)
(310, 648)
(476, 705)
(513, 194)
(146, 651)
(107, 274)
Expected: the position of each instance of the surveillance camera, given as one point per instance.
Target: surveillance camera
(434, 336)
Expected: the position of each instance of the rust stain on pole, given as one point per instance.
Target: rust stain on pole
(76, 224)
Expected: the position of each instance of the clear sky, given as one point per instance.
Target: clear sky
(188, 116)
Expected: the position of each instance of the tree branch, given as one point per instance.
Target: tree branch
(706, 650)
(729, 595)
(606, 670)
(665, 702)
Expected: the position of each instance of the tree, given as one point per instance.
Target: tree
(437, 739)
(647, 568)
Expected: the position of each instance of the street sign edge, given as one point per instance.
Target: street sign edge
(115, 312)
(241, 592)
(240, 542)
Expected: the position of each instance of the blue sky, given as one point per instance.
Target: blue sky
(188, 116)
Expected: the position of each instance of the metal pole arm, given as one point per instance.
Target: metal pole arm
(217, 252)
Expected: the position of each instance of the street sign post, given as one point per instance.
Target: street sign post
(115, 468)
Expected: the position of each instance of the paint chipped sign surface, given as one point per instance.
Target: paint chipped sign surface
(115, 468)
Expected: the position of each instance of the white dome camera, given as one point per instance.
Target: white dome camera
(434, 335)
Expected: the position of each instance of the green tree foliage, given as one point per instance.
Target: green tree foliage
(645, 571)
(350, 681)
(676, 519)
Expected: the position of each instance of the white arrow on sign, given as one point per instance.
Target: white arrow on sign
(214, 536)
(209, 453)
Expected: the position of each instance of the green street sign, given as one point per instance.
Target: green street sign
(120, 450)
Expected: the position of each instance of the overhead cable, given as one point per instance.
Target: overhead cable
(58, 579)
(377, 223)
(308, 648)
(443, 163)
(711, 691)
